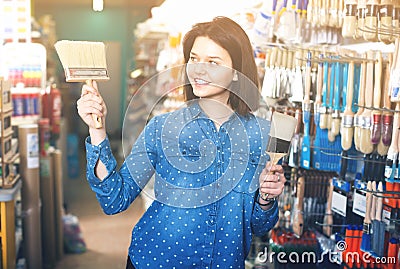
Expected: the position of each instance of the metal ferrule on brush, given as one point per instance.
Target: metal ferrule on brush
(317, 112)
(347, 121)
(358, 121)
(322, 110)
(366, 228)
(367, 123)
(82, 74)
(336, 114)
(278, 145)
(306, 111)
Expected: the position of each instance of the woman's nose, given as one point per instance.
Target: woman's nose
(200, 68)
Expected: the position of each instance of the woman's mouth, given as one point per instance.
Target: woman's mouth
(200, 81)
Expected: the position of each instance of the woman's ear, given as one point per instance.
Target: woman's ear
(235, 76)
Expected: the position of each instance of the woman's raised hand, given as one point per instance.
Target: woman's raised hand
(90, 103)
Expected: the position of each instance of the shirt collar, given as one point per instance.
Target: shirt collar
(196, 111)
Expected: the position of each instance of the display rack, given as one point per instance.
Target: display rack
(25, 65)
(9, 153)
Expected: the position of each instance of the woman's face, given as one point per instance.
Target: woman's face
(209, 70)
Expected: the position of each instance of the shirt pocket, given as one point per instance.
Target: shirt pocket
(186, 168)
(246, 171)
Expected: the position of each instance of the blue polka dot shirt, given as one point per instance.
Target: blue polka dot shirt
(204, 213)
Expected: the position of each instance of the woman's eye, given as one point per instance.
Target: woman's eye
(192, 59)
(213, 62)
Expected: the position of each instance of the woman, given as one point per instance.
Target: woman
(208, 159)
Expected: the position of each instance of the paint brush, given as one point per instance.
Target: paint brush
(349, 19)
(358, 118)
(328, 218)
(380, 237)
(366, 235)
(83, 61)
(385, 21)
(298, 220)
(280, 137)
(377, 114)
(374, 221)
(305, 147)
(347, 129)
(366, 146)
(387, 114)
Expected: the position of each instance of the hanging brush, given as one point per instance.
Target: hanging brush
(366, 235)
(347, 129)
(328, 218)
(305, 148)
(358, 119)
(366, 146)
(387, 114)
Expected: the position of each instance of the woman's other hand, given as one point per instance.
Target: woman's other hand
(272, 181)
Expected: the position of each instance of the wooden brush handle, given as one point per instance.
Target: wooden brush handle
(378, 79)
(368, 203)
(97, 120)
(373, 202)
(369, 81)
(328, 219)
(320, 82)
(393, 148)
(379, 202)
(298, 220)
(307, 78)
(385, 83)
(267, 58)
(361, 93)
(289, 61)
(394, 95)
(350, 88)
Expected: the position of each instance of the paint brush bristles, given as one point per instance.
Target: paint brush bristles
(281, 133)
(82, 60)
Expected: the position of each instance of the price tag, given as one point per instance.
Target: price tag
(386, 214)
(339, 203)
(359, 203)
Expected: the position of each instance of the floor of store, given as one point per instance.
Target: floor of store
(107, 237)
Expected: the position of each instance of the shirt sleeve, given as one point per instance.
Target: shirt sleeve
(121, 186)
(262, 221)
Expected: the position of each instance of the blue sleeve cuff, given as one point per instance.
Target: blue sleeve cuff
(95, 153)
(260, 212)
(264, 220)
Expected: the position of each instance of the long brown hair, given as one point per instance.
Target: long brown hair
(245, 95)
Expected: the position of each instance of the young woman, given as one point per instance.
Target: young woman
(208, 159)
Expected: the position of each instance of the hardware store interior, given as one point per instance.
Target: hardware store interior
(332, 65)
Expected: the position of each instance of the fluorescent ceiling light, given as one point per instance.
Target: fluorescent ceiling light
(98, 5)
